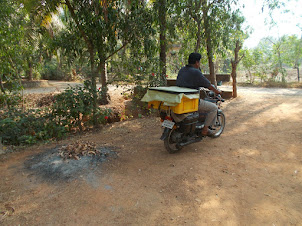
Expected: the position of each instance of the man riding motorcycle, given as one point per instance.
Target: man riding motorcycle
(190, 76)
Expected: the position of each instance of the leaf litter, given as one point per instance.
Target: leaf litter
(79, 160)
(79, 149)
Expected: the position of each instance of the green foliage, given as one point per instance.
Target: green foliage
(10, 99)
(38, 39)
(72, 104)
(211, 28)
(72, 111)
(74, 107)
(84, 35)
(51, 71)
(292, 54)
(135, 69)
(11, 33)
(103, 115)
(270, 60)
(29, 127)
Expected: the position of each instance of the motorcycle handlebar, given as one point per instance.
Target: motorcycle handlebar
(219, 97)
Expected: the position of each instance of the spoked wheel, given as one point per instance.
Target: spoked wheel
(219, 125)
(171, 143)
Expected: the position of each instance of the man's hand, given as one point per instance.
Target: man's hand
(213, 88)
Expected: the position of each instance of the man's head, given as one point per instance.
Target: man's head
(194, 60)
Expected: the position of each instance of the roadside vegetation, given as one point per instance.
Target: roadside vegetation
(142, 43)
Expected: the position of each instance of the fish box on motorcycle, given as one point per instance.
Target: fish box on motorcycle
(180, 100)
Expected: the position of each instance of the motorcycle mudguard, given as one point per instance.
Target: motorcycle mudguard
(165, 133)
(219, 111)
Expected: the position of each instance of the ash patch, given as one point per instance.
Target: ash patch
(51, 167)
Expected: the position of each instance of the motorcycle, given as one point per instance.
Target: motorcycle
(184, 129)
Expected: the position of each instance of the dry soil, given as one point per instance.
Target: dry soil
(251, 175)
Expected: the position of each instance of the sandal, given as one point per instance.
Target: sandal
(210, 133)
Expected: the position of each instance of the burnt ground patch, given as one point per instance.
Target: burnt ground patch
(49, 166)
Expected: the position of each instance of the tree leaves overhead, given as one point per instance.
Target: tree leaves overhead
(11, 36)
(80, 33)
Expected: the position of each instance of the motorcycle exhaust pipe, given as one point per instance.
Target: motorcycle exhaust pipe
(190, 142)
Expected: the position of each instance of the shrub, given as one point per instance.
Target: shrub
(18, 127)
(74, 107)
(52, 71)
(10, 99)
(71, 110)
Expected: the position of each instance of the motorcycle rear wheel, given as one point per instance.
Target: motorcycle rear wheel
(170, 145)
(219, 125)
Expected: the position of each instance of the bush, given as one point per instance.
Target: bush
(74, 107)
(10, 99)
(18, 127)
(51, 71)
(71, 111)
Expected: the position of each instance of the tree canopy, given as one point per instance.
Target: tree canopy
(141, 42)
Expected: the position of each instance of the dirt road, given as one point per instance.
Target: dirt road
(251, 175)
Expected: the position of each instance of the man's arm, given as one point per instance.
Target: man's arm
(217, 91)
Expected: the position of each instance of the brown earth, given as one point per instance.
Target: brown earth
(251, 175)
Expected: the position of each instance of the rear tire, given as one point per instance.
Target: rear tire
(219, 125)
(170, 144)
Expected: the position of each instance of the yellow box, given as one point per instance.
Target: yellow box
(185, 106)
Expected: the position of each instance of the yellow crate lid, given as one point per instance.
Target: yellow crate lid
(170, 96)
(175, 89)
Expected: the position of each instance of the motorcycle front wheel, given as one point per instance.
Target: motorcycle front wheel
(170, 143)
(219, 125)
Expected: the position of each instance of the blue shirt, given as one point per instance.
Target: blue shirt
(191, 77)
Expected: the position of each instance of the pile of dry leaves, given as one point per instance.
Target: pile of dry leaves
(34, 100)
(46, 100)
(78, 149)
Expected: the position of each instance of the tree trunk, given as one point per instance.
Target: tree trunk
(281, 67)
(104, 92)
(3, 90)
(30, 71)
(1, 85)
(208, 42)
(212, 69)
(162, 8)
(198, 42)
(93, 86)
(234, 78)
(298, 73)
(234, 63)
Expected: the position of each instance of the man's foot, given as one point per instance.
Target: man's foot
(208, 133)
